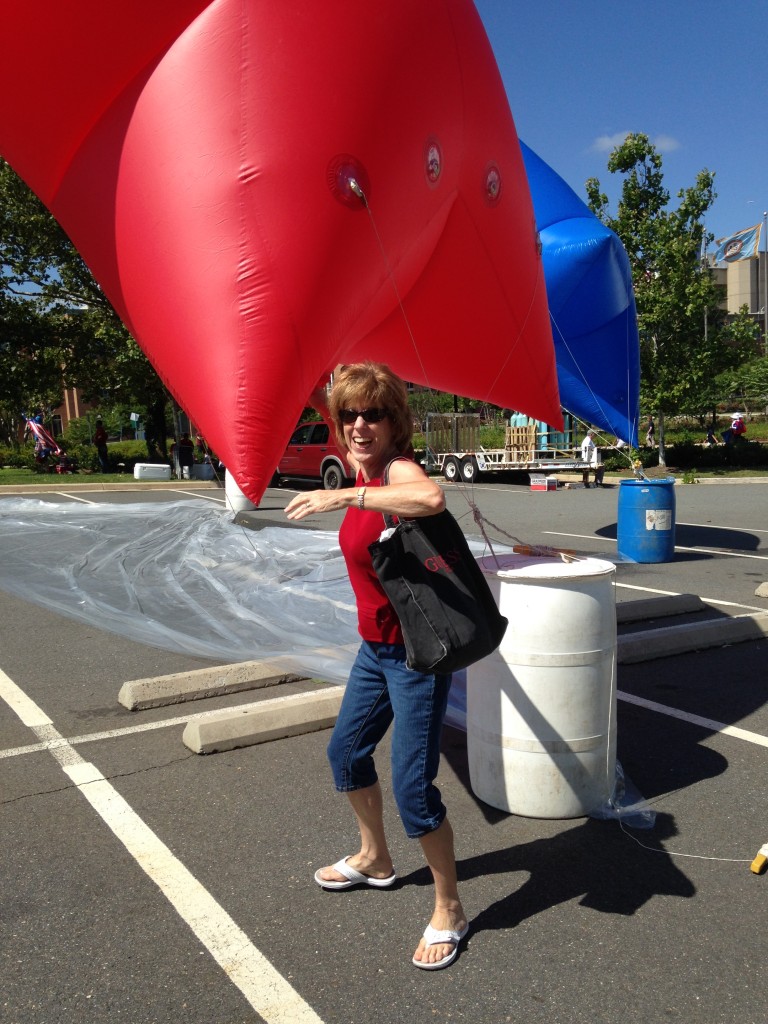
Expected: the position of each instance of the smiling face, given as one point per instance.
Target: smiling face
(359, 387)
(370, 444)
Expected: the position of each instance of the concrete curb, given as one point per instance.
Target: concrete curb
(690, 636)
(614, 481)
(716, 481)
(272, 720)
(658, 607)
(159, 691)
(296, 714)
(63, 484)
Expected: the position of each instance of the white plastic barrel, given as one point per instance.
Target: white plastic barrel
(236, 500)
(541, 711)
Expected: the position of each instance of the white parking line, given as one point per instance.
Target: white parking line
(709, 526)
(263, 986)
(130, 730)
(707, 600)
(75, 497)
(705, 723)
(199, 494)
(726, 552)
(722, 551)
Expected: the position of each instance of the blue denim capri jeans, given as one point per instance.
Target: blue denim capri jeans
(382, 689)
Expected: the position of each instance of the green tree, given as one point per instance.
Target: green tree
(682, 346)
(749, 381)
(30, 367)
(57, 328)
(739, 342)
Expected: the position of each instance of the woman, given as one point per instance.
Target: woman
(369, 410)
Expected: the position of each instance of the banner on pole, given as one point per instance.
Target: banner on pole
(743, 245)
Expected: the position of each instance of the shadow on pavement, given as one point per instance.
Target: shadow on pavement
(699, 537)
(596, 862)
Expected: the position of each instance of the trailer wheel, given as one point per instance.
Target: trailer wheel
(451, 469)
(469, 470)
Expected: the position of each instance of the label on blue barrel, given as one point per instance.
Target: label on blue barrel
(658, 519)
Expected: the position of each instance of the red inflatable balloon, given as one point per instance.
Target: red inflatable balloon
(264, 190)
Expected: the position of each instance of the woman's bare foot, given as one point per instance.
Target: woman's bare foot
(379, 869)
(444, 919)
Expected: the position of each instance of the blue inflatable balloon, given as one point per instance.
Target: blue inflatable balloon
(591, 303)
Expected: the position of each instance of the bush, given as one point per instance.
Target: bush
(127, 452)
(492, 437)
(86, 458)
(741, 454)
(18, 458)
(620, 461)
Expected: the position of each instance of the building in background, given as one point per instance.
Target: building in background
(741, 269)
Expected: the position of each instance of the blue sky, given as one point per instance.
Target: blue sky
(693, 76)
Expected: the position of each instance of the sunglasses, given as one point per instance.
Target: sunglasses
(348, 416)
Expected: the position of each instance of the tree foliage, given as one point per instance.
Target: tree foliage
(684, 342)
(749, 381)
(57, 328)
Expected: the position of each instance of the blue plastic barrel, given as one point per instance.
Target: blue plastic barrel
(646, 524)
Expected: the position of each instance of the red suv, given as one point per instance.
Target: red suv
(312, 455)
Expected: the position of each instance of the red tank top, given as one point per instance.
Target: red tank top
(376, 618)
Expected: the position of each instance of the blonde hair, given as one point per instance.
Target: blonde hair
(372, 385)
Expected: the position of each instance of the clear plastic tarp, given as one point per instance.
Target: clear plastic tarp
(184, 577)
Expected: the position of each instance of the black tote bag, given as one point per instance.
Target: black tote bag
(447, 612)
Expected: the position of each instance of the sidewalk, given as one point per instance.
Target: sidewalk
(614, 481)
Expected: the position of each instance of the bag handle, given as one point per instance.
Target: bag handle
(389, 521)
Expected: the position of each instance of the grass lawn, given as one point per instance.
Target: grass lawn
(756, 431)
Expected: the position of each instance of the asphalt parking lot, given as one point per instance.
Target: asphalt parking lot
(145, 883)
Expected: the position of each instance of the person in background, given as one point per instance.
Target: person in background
(100, 440)
(591, 454)
(368, 409)
(650, 433)
(185, 453)
(736, 429)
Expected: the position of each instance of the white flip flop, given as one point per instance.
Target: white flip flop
(353, 877)
(433, 937)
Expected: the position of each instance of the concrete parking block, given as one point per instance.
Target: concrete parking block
(690, 636)
(271, 720)
(762, 590)
(160, 691)
(658, 607)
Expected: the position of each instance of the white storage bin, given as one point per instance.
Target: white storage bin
(151, 471)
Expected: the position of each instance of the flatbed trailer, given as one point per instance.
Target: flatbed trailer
(453, 448)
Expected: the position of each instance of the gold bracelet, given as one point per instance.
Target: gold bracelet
(361, 499)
